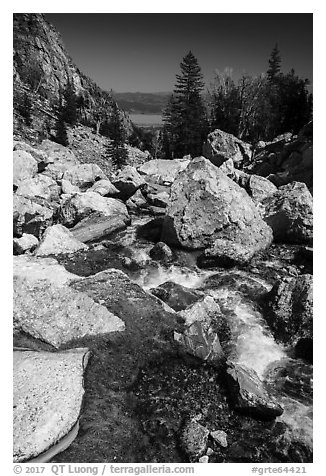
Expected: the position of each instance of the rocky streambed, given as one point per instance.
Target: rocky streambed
(163, 315)
(147, 399)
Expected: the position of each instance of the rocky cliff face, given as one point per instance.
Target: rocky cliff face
(42, 69)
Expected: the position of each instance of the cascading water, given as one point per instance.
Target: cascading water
(252, 343)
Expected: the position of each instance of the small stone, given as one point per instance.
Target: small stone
(194, 439)
(203, 459)
(210, 451)
(219, 436)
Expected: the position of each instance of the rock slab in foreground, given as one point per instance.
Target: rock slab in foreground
(48, 393)
(205, 205)
(58, 314)
(248, 393)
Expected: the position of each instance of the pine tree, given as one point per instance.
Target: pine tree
(274, 64)
(184, 116)
(116, 148)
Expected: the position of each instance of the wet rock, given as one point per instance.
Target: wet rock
(205, 206)
(162, 171)
(57, 314)
(58, 239)
(161, 252)
(25, 243)
(80, 205)
(119, 294)
(289, 212)
(24, 166)
(199, 337)
(221, 146)
(289, 312)
(249, 285)
(176, 296)
(48, 392)
(128, 181)
(31, 216)
(97, 226)
(194, 439)
(248, 394)
(105, 188)
(84, 175)
(39, 186)
(220, 437)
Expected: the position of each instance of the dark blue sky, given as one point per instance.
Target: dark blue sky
(142, 52)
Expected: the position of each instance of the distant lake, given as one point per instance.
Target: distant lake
(146, 119)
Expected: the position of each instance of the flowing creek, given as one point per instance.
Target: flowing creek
(170, 389)
(252, 343)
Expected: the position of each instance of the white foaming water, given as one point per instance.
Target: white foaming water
(299, 419)
(254, 345)
(186, 277)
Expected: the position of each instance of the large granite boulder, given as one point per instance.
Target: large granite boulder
(39, 186)
(57, 314)
(47, 398)
(80, 205)
(221, 146)
(31, 216)
(38, 269)
(84, 175)
(163, 171)
(289, 212)
(128, 181)
(57, 239)
(206, 206)
(289, 312)
(24, 166)
(248, 394)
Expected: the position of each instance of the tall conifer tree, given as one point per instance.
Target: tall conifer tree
(185, 116)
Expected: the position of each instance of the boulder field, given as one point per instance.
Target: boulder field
(143, 297)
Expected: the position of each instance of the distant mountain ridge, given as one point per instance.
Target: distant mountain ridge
(142, 103)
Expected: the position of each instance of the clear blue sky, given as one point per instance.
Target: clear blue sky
(142, 52)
